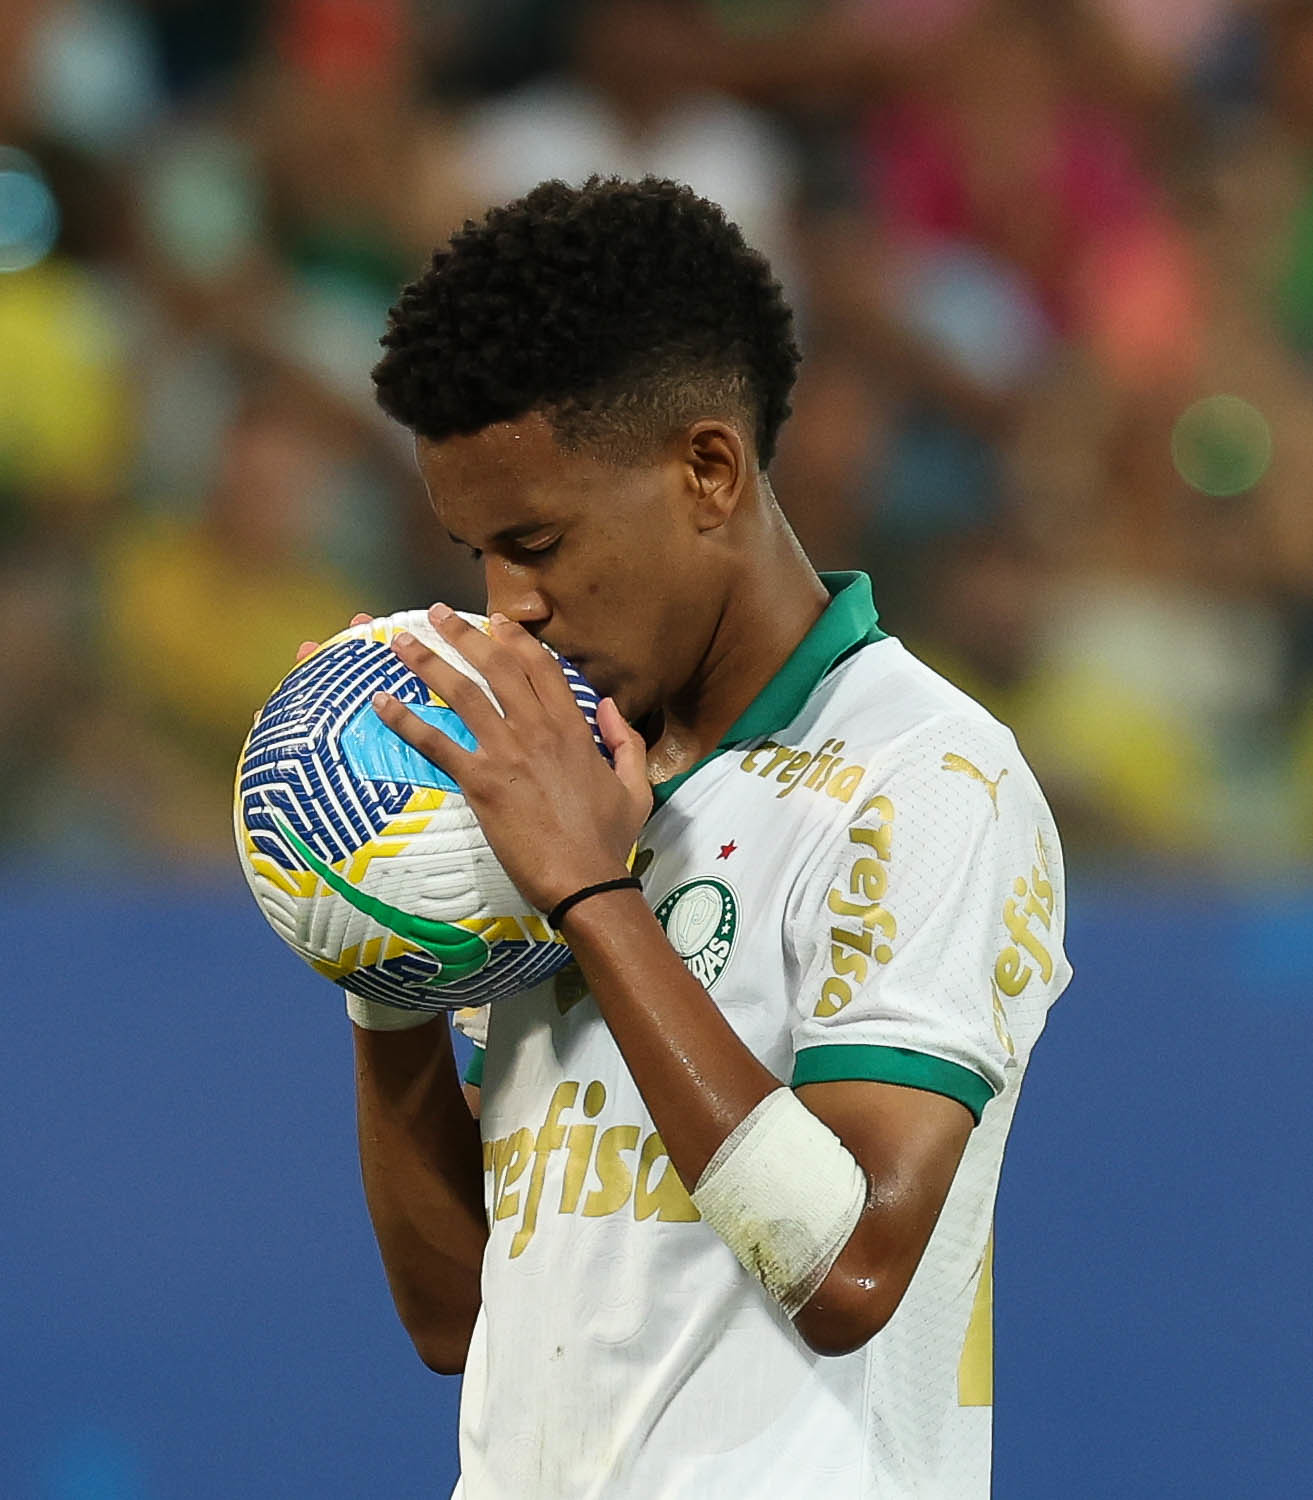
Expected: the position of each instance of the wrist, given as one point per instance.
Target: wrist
(590, 892)
(598, 906)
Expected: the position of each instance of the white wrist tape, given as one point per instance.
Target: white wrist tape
(784, 1193)
(372, 1015)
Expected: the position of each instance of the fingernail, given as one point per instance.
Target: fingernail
(378, 700)
(497, 618)
(441, 612)
(403, 638)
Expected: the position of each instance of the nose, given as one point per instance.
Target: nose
(511, 591)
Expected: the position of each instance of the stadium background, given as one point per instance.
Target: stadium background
(1054, 270)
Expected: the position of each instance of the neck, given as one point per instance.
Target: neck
(767, 611)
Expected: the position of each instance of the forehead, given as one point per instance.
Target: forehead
(507, 475)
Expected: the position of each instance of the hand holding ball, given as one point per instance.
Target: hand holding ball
(365, 857)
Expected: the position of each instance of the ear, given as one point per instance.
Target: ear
(716, 466)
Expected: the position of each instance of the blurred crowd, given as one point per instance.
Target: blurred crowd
(1053, 267)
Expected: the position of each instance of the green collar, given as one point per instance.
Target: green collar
(848, 623)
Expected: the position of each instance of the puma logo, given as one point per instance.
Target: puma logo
(954, 762)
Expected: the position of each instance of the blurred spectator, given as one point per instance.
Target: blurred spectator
(199, 618)
(615, 112)
(1054, 266)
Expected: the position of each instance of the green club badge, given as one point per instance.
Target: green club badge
(700, 918)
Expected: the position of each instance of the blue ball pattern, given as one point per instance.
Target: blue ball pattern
(319, 762)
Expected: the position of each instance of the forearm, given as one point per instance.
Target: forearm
(696, 1077)
(422, 1166)
(867, 1179)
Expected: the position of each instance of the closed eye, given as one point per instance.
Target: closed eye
(535, 548)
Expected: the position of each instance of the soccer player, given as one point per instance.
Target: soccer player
(723, 1227)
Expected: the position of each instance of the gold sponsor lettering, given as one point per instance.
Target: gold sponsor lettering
(1001, 1022)
(842, 786)
(782, 753)
(1031, 898)
(835, 994)
(669, 1199)
(816, 777)
(510, 1164)
(749, 761)
(1011, 972)
(615, 1180)
(654, 1192)
(550, 1138)
(872, 914)
(853, 964)
(868, 879)
(579, 1143)
(879, 838)
(819, 771)
(792, 772)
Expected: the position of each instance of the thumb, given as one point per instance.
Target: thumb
(628, 752)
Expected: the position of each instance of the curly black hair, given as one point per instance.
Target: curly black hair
(619, 310)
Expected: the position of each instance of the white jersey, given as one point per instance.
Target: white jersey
(868, 882)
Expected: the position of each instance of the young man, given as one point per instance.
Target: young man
(726, 1231)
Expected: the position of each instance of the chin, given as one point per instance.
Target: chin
(608, 682)
(626, 700)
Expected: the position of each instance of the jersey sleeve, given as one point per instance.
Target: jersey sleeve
(924, 942)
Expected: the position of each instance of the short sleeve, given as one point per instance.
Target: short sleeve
(924, 942)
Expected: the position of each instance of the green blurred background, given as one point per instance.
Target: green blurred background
(1053, 266)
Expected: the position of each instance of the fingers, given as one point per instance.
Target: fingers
(307, 648)
(430, 741)
(459, 691)
(539, 665)
(522, 674)
(628, 754)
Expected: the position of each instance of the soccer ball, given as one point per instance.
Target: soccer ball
(365, 857)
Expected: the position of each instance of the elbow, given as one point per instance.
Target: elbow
(442, 1339)
(442, 1361)
(847, 1311)
(444, 1356)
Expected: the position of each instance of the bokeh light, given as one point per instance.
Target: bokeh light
(1221, 445)
(202, 206)
(29, 215)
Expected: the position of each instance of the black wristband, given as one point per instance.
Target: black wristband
(629, 883)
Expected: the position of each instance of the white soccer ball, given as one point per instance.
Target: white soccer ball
(365, 857)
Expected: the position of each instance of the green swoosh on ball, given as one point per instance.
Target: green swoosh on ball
(460, 953)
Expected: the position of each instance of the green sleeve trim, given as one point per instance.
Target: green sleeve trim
(474, 1072)
(916, 1070)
